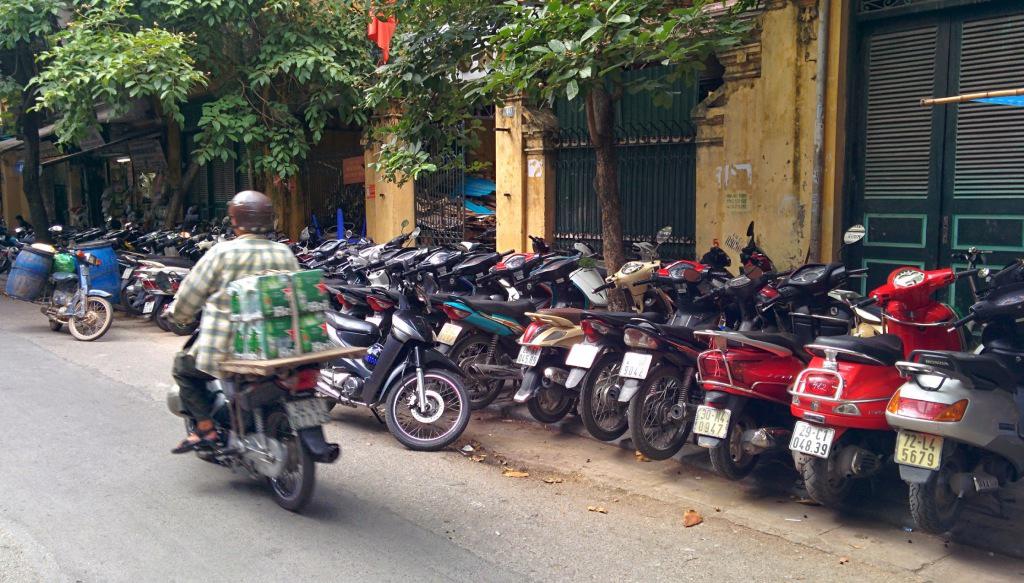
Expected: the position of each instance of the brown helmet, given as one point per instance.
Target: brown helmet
(252, 211)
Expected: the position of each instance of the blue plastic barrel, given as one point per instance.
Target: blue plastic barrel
(29, 274)
(105, 276)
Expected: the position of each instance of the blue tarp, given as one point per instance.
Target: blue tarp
(479, 187)
(478, 208)
(1016, 100)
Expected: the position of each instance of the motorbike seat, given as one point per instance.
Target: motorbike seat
(684, 333)
(987, 371)
(358, 332)
(516, 309)
(620, 319)
(788, 341)
(574, 315)
(884, 348)
(171, 261)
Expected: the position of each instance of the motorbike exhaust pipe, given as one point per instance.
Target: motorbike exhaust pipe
(757, 441)
(555, 375)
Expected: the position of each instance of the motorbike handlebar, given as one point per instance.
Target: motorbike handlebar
(601, 288)
(966, 273)
(507, 253)
(968, 318)
(865, 302)
(856, 272)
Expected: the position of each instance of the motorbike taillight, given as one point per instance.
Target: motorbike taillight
(303, 380)
(821, 384)
(379, 305)
(531, 332)
(927, 410)
(149, 284)
(593, 330)
(638, 339)
(454, 313)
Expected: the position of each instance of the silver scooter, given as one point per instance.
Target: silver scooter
(959, 415)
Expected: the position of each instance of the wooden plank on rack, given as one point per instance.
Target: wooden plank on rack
(270, 367)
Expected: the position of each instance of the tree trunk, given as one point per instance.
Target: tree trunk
(178, 194)
(601, 125)
(28, 125)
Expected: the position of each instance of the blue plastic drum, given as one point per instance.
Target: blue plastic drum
(29, 274)
(105, 276)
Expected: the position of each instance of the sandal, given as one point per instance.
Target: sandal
(196, 441)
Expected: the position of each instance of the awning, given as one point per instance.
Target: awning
(1014, 97)
(12, 143)
(136, 136)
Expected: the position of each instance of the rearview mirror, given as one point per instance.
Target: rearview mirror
(663, 234)
(582, 248)
(415, 232)
(348, 233)
(405, 223)
(854, 234)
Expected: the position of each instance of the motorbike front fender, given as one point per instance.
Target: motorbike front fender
(576, 376)
(98, 293)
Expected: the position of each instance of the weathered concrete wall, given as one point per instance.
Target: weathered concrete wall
(14, 202)
(525, 176)
(755, 139)
(387, 204)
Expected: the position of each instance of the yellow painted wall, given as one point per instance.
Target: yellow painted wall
(525, 176)
(14, 202)
(387, 204)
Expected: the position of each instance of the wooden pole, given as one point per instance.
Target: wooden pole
(972, 96)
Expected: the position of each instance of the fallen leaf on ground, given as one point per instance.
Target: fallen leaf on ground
(468, 448)
(844, 560)
(510, 473)
(718, 508)
(552, 480)
(807, 502)
(857, 546)
(640, 457)
(598, 509)
(478, 458)
(615, 500)
(692, 518)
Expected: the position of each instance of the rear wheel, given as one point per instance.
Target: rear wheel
(550, 404)
(825, 483)
(55, 325)
(728, 458)
(293, 489)
(99, 314)
(600, 410)
(658, 426)
(933, 505)
(472, 350)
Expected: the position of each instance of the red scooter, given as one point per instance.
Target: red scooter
(840, 398)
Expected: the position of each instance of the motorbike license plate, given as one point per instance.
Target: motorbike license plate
(375, 320)
(148, 308)
(919, 450)
(528, 356)
(811, 439)
(635, 365)
(449, 333)
(307, 413)
(712, 422)
(127, 274)
(582, 355)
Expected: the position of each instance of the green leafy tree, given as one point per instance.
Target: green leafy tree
(279, 70)
(431, 84)
(582, 49)
(66, 58)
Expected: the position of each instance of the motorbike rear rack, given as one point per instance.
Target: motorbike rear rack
(266, 368)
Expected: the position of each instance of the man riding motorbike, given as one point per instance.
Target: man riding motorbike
(204, 288)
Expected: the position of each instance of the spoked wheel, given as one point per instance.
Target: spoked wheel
(467, 352)
(600, 410)
(99, 314)
(825, 483)
(934, 505)
(293, 489)
(728, 458)
(659, 427)
(442, 418)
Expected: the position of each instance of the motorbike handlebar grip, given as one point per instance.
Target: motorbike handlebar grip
(601, 288)
(507, 253)
(967, 273)
(865, 302)
(968, 318)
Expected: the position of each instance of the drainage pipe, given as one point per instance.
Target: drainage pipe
(818, 173)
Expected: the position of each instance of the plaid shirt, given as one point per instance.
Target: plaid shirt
(205, 288)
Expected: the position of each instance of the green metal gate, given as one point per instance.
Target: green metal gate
(441, 200)
(930, 182)
(656, 164)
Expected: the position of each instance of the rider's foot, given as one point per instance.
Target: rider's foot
(205, 435)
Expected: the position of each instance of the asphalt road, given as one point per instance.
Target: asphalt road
(89, 492)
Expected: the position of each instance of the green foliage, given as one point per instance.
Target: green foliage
(102, 56)
(438, 56)
(27, 21)
(570, 47)
(278, 69)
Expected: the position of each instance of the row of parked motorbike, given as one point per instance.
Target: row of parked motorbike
(743, 364)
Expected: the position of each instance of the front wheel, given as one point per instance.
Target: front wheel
(436, 423)
(99, 314)
(933, 504)
(825, 483)
(293, 489)
(661, 413)
(728, 458)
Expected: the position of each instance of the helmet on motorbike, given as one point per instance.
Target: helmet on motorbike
(252, 212)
